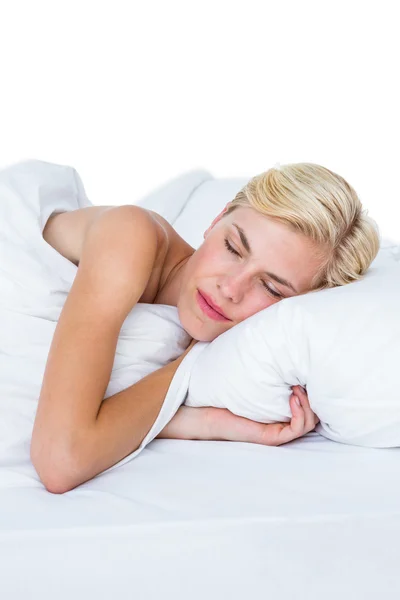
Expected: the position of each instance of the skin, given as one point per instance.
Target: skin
(235, 282)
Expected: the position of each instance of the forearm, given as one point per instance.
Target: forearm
(122, 423)
(211, 423)
(188, 423)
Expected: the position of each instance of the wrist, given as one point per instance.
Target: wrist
(188, 423)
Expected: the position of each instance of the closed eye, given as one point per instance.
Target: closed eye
(227, 244)
(271, 291)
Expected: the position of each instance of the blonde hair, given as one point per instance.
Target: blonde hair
(321, 205)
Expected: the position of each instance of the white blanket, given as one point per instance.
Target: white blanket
(34, 282)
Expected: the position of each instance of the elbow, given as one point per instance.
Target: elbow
(56, 485)
(57, 470)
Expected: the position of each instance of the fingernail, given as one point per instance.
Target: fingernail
(297, 401)
(301, 387)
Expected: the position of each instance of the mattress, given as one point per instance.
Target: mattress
(208, 519)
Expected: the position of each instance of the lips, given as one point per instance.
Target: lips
(214, 306)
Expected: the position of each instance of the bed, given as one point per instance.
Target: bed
(207, 519)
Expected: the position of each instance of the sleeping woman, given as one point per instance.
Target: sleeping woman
(291, 230)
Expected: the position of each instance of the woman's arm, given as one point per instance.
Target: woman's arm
(117, 258)
(122, 423)
(210, 423)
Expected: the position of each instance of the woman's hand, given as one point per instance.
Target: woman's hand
(224, 425)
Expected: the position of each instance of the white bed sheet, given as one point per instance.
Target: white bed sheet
(199, 519)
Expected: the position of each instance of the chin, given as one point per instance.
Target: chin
(205, 338)
(198, 332)
(202, 335)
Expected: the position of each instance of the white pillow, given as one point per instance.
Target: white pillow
(169, 199)
(342, 344)
(203, 205)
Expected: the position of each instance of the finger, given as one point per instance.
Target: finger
(295, 428)
(298, 420)
(311, 418)
(308, 413)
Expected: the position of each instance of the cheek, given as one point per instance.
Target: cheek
(206, 262)
(256, 302)
(265, 301)
(212, 251)
(196, 269)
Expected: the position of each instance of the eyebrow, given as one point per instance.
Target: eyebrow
(246, 244)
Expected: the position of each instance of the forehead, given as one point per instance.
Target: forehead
(262, 231)
(276, 247)
(258, 225)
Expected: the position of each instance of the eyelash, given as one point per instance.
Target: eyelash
(272, 292)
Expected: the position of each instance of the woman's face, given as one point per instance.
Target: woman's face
(242, 284)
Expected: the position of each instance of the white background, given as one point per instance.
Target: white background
(133, 94)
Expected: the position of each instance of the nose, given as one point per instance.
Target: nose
(233, 287)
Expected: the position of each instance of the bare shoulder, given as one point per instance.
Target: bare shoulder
(66, 233)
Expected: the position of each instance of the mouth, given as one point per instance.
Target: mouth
(205, 304)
